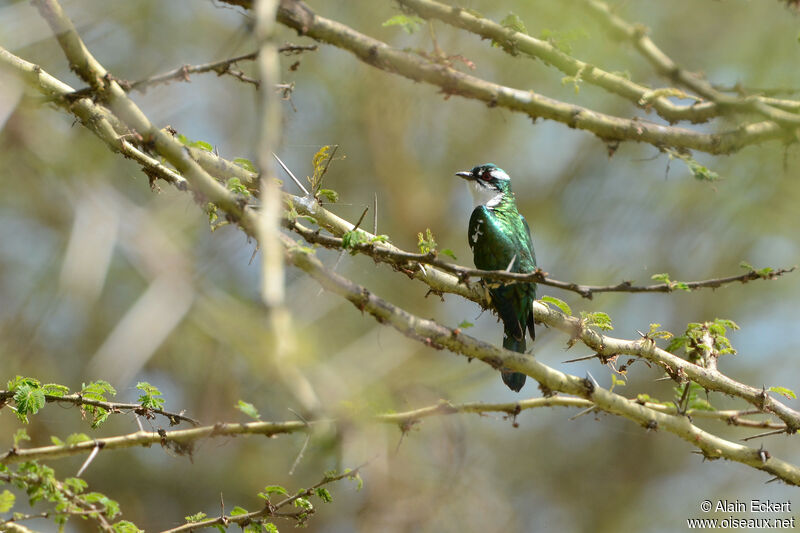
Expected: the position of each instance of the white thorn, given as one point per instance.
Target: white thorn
(375, 216)
(88, 460)
(297, 181)
(508, 268)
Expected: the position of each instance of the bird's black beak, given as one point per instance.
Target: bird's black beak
(466, 175)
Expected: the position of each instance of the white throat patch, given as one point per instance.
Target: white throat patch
(484, 195)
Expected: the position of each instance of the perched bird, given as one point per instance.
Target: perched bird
(500, 239)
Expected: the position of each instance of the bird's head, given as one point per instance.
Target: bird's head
(488, 184)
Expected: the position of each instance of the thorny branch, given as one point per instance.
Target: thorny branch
(605, 346)
(428, 331)
(783, 112)
(222, 67)
(111, 407)
(183, 441)
(410, 262)
(270, 510)
(299, 16)
(438, 336)
(79, 506)
(676, 367)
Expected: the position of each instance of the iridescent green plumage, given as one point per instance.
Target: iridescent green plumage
(500, 239)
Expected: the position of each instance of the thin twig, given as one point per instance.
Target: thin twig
(783, 112)
(765, 434)
(221, 67)
(111, 407)
(408, 260)
(607, 127)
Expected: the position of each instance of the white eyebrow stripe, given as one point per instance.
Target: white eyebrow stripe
(500, 174)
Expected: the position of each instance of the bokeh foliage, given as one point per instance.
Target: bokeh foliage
(83, 238)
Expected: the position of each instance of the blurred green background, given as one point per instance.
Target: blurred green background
(102, 278)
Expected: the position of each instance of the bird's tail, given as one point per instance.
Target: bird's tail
(515, 343)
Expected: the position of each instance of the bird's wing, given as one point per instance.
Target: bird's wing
(491, 249)
(528, 238)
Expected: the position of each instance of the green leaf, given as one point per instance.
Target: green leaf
(694, 400)
(513, 22)
(359, 481)
(238, 511)
(448, 252)
(202, 145)
(235, 185)
(730, 324)
(379, 238)
(28, 401)
(7, 500)
(253, 527)
(465, 324)
(352, 239)
(356, 477)
(700, 172)
(100, 415)
(249, 409)
(211, 210)
(54, 389)
(783, 391)
(677, 343)
(55, 440)
(150, 397)
(304, 503)
(320, 164)
(331, 195)
(19, 436)
(196, 517)
(558, 303)
(656, 332)
(663, 278)
(20, 381)
(617, 381)
(409, 23)
(681, 286)
(426, 244)
(76, 438)
(270, 527)
(598, 319)
(97, 390)
(324, 495)
(275, 489)
(747, 266)
(764, 272)
(124, 526)
(646, 398)
(245, 164)
(75, 484)
(111, 507)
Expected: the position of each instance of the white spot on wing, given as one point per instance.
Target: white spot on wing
(478, 232)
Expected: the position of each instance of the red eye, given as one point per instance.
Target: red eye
(486, 176)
